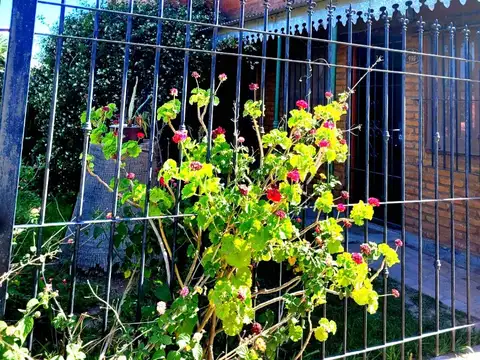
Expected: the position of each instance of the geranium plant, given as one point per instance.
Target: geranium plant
(245, 206)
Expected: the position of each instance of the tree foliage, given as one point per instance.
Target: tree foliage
(75, 70)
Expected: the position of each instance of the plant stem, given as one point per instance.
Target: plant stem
(307, 340)
(259, 137)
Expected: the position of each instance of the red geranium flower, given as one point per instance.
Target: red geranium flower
(274, 195)
(196, 165)
(130, 176)
(373, 201)
(173, 92)
(140, 135)
(222, 77)
(345, 194)
(395, 293)
(243, 189)
(179, 136)
(293, 175)
(195, 75)
(323, 143)
(162, 181)
(253, 87)
(328, 95)
(343, 141)
(329, 124)
(347, 224)
(241, 140)
(365, 249)
(301, 104)
(218, 131)
(281, 214)
(341, 208)
(398, 243)
(358, 258)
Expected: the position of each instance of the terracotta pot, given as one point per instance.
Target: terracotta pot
(129, 132)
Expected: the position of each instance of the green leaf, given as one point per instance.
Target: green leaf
(361, 212)
(197, 351)
(321, 334)
(162, 292)
(189, 190)
(295, 332)
(31, 304)
(391, 256)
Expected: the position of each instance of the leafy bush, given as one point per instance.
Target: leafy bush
(245, 207)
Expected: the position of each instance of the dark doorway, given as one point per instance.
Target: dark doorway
(376, 93)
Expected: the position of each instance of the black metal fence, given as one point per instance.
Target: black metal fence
(446, 122)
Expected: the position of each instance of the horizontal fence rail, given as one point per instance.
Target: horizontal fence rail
(417, 147)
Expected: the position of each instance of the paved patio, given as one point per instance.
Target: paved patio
(356, 237)
(428, 267)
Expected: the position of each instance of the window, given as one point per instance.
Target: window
(446, 90)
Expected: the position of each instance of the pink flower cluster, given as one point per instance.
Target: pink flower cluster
(180, 136)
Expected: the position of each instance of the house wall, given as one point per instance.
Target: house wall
(411, 166)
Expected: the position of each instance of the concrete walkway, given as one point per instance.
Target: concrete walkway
(428, 267)
(375, 233)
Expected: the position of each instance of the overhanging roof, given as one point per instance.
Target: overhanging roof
(299, 15)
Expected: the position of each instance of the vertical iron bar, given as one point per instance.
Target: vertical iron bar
(278, 70)
(87, 129)
(328, 75)
(119, 160)
(216, 11)
(386, 138)
(153, 130)
(436, 141)
(308, 80)
(350, 13)
(420, 25)
(444, 104)
(466, 32)
(182, 127)
(12, 124)
(48, 153)
(452, 134)
(367, 151)
(288, 14)
(238, 79)
(266, 5)
(404, 21)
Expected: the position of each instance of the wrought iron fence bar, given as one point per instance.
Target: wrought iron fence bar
(369, 20)
(308, 87)
(437, 263)
(247, 30)
(238, 78)
(401, 342)
(349, 13)
(123, 103)
(286, 86)
(211, 105)
(153, 131)
(266, 5)
(404, 22)
(12, 125)
(260, 57)
(386, 140)
(87, 128)
(182, 127)
(120, 219)
(466, 32)
(48, 153)
(420, 25)
(452, 133)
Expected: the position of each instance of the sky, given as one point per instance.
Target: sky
(46, 15)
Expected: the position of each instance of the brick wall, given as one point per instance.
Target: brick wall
(411, 170)
(412, 175)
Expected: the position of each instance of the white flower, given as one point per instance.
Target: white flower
(161, 307)
(197, 336)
